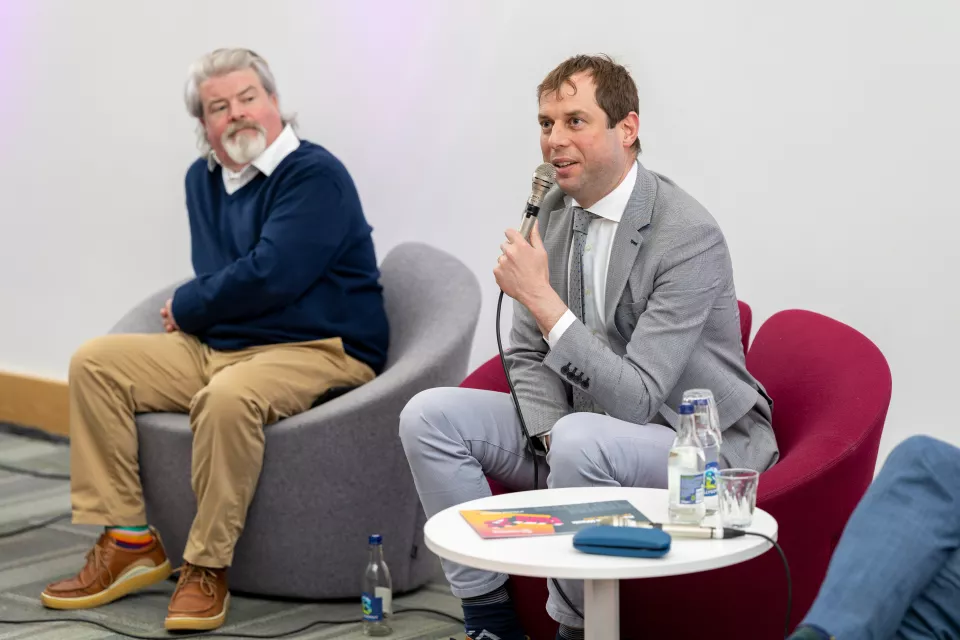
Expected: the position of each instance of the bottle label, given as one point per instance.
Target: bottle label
(372, 608)
(710, 480)
(386, 597)
(691, 489)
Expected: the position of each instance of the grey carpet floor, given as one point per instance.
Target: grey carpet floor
(31, 560)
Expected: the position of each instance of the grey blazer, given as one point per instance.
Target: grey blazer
(672, 323)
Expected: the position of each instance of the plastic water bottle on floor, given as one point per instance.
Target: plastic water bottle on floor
(377, 599)
(708, 436)
(685, 469)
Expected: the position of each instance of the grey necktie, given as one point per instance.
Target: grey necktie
(582, 401)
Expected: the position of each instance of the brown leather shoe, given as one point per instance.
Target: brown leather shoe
(200, 601)
(111, 572)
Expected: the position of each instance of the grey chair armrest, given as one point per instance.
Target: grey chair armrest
(145, 316)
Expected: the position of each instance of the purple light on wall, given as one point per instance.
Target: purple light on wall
(15, 18)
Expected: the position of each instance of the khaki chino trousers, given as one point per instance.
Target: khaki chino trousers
(229, 395)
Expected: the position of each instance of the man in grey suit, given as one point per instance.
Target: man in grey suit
(625, 299)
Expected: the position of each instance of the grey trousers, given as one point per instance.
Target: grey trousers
(454, 437)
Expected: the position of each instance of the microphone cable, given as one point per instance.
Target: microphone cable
(222, 634)
(516, 401)
(36, 474)
(526, 434)
(786, 570)
(35, 526)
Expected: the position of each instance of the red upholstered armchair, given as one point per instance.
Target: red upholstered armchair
(831, 389)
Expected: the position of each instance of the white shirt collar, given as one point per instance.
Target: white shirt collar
(285, 144)
(612, 205)
(267, 162)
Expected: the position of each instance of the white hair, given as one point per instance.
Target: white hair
(219, 63)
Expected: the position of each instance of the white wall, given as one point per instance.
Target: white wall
(823, 136)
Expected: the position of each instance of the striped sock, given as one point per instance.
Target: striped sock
(569, 633)
(131, 537)
(500, 595)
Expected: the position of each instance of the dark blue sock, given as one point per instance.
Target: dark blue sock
(810, 632)
(492, 614)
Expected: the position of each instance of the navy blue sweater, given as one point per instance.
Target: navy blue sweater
(287, 258)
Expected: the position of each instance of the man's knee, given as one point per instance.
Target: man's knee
(226, 405)
(97, 353)
(571, 445)
(923, 451)
(423, 416)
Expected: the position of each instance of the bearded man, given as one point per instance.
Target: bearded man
(285, 305)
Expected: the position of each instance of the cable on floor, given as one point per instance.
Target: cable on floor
(215, 634)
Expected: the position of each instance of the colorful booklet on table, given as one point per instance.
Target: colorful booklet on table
(548, 521)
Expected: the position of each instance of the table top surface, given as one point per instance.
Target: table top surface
(450, 536)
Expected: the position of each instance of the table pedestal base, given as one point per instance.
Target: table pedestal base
(601, 609)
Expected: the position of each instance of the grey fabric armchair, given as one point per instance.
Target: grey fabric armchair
(336, 473)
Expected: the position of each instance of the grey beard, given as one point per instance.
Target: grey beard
(244, 149)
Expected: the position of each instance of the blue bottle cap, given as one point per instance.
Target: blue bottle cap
(702, 401)
(686, 408)
(376, 539)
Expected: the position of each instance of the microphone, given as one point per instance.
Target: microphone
(543, 179)
(677, 530)
(693, 531)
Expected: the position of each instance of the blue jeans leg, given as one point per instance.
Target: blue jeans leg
(936, 611)
(901, 536)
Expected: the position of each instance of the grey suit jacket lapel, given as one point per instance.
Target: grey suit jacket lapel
(627, 240)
